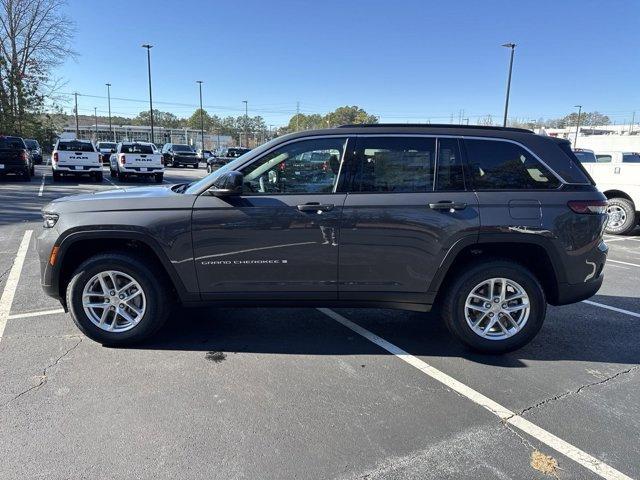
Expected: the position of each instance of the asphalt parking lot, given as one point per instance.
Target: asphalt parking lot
(305, 393)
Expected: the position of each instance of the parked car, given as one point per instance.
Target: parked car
(15, 157)
(488, 224)
(617, 175)
(136, 159)
(76, 157)
(106, 149)
(177, 155)
(203, 155)
(228, 154)
(34, 150)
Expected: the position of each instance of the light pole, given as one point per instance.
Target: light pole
(149, 47)
(76, 112)
(113, 138)
(199, 82)
(95, 116)
(512, 46)
(246, 122)
(575, 139)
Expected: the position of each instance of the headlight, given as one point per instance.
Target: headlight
(50, 219)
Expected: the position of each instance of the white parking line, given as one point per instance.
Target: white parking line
(623, 263)
(111, 182)
(12, 281)
(36, 314)
(609, 307)
(41, 186)
(506, 415)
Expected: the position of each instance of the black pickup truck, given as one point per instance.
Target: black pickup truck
(15, 158)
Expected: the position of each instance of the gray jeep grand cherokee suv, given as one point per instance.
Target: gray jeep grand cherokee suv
(487, 224)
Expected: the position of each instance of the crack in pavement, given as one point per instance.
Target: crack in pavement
(43, 377)
(572, 392)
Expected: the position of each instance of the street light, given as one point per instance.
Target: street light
(109, 103)
(512, 46)
(246, 122)
(575, 139)
(199, 82)
(149, 47)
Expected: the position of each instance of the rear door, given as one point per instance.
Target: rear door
(407, 206)
(279, 239)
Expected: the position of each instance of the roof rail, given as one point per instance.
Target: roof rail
(433, 125)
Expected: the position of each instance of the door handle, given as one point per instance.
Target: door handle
(448, 205)
(315, 207)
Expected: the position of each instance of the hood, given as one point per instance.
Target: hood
(129, 199)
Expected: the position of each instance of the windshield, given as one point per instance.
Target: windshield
(585, 157)
(75, 146)
(32, 144)
(11, 143)
(196, 187)
(182, 148)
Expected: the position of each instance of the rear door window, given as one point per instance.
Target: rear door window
(603, 158)
(394, 164)
(450, 175)
(501, 165)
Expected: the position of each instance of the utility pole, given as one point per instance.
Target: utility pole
(633, 120)
(149, 47)
(113, 137)
(512, 46)
(95, 116)
(575, 139)
(246, 122)
(199, 82)
(76, 112)
(297, 116)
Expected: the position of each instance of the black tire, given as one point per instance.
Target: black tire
(99, 177)
(33, 170)
(26, 174)
(156, 290)
(56, 176)
(121, 176)
(453, 305)
(195, 165)
(112, 173)
(159, 177)
(209, 169)
(625, 207)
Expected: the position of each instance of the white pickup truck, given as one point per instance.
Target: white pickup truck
(139, 159)
(617, 175)
(75, 157)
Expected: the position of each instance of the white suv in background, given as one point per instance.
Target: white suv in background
(617, 175)
(139, 159)
(76, 157)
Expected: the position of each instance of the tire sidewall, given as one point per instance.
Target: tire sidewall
(150, 322)
(458, 324)
(629, 223)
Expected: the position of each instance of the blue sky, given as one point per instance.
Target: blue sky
(404, 60)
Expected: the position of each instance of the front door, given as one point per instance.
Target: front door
(279, 239)
(407, 206)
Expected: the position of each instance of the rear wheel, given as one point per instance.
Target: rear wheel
(56, 176)
(121, 176)
(622, 216)
(159, 177)
(26, 174)
(209, 170)
(495, 307)
(99, 177)
(116, 299)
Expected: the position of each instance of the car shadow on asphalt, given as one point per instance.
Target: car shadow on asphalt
(571, 333)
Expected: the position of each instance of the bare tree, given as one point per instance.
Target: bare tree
(35, 37)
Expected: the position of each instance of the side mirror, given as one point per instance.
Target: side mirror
(229, 184)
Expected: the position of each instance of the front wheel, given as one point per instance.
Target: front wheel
(495, 307)
(622, 216)
(116, 299)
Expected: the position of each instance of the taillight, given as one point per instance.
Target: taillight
(123, 160)
(588, 206)
(161, 160)
(55, 157)
(24, 156)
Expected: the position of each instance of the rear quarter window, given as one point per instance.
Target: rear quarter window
(501, 165)
(631, 158)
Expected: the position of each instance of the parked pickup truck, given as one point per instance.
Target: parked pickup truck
(75, 157)
(106, 149)
(137, 159)
(14, 157)
(617, 175)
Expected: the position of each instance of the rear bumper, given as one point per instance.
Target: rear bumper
(13, 168)
(78, 169)
(138, 170)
